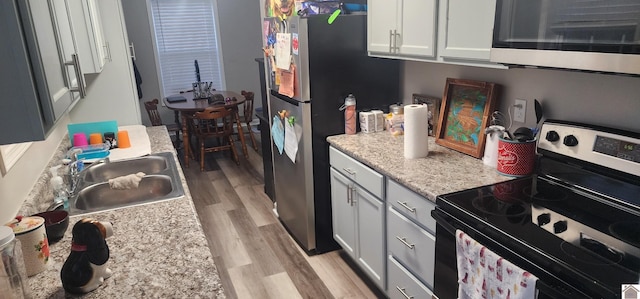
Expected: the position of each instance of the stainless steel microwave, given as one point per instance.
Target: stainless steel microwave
(589, 35)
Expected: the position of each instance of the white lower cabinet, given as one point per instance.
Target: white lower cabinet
(358, 218)
(402, 284)
(384, 227)
(411, 243)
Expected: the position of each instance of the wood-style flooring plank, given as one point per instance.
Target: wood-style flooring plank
(223, 238)
(303, 276)
(256, 246)
(255, 206)
(226, 194)
(242, 174)
(280, 286)
(247, 281)
(200, 187)
(342, 281)
(225, 279)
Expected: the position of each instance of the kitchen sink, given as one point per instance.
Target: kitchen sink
(161, 182)
(105, 171)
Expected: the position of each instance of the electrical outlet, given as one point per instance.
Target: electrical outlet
(519, 110)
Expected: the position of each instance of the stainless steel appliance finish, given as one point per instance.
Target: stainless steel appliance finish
(331, 63)
(575, 224)
(294, 181)
(599, 36)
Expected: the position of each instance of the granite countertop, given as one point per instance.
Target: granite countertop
(442, 171)
(157, 249)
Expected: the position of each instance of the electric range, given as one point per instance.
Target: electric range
(575, 224)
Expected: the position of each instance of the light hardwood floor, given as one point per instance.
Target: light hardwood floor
(255, 256)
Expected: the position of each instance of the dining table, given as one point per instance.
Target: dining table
(188, 105)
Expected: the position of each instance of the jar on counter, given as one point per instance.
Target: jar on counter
(395, 119)
(35, 246)
(13, 274)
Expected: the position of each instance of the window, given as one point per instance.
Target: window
(186, 31)
(10, 154)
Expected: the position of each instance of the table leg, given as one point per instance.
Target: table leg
(241, 134)
(185, 140)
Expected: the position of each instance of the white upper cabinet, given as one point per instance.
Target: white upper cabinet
(402, 28)
(69, 87)
(92, 47)
(462, 30)
(466, 29)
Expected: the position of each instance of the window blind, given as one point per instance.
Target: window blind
(186, 31)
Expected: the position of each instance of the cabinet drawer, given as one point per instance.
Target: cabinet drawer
(402, 284)
(360, 173)
(411, 204)
(411, 245)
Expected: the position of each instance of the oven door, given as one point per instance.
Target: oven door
(446, 280)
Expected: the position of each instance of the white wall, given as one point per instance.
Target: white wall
(241, 42)
(111, 95)
(139, 30)
(17, 183)
(607, 100)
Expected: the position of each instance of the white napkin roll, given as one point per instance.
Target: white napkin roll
(416, 131)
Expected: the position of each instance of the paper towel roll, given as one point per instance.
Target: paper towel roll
(416, 130)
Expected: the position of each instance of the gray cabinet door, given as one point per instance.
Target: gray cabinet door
(343, 212)
(371, 241)
(34, 78)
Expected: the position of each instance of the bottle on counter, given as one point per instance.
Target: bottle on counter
(60, 193)
(349, 108)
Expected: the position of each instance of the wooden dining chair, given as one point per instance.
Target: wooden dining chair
(248, 115)
(154, 117)
(214, 122)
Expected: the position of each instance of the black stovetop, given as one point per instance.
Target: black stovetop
(508, 208)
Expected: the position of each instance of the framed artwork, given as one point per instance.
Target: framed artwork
(434, 110)
(464, 114)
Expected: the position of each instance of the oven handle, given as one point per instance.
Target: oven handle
(446, 222)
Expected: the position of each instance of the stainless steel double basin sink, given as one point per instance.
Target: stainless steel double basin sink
(161, 182)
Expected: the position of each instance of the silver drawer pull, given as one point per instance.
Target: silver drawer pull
(404, 241)
(404, 205)
(401, 290)
(349, 171)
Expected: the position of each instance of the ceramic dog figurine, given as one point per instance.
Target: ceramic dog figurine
(86, 267)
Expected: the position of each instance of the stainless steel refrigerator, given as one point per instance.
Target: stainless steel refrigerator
(331, 62)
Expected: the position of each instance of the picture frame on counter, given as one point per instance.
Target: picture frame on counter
(464, 113)
(434, 110)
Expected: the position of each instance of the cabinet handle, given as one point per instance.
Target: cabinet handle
(395, 40)
(349, 171)
(390, 41)
(349, 194)
(108, 50)
(404, 205)
(132, 51)
(404, 241)
(75, 62)
(353, 189)
(401, 290)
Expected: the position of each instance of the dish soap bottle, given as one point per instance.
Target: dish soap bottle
(60, 194)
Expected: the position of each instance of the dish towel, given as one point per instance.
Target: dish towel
(484, 274)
